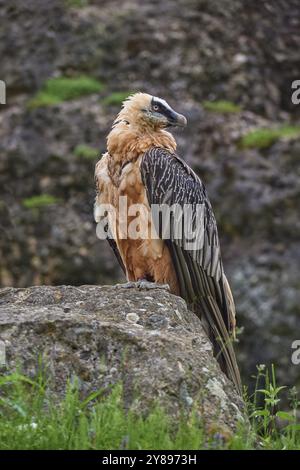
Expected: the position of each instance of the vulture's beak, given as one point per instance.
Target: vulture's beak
(176, 119)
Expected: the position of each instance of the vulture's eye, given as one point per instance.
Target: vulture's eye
(155, 107)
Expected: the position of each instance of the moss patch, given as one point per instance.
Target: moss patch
(264, 137)
(37, 202)
(86, 152)
(116, 98)
(60, 89)
(221, 106)
(76, 3)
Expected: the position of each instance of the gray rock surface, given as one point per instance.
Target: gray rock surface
(148, 340)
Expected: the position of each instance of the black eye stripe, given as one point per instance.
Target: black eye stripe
(157, 102)
(157, 105)
(160, 107)
(163, 109)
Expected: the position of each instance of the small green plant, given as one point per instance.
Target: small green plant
(264, 137)
(86, 152)
(42, 200)
(116, 98)
(57, 90)
(271, 397)
(221, 106)
(265, 418)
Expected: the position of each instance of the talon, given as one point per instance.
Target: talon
(127, 285)
(147, 285)
(142, 284)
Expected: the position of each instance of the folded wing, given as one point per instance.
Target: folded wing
(191, 234)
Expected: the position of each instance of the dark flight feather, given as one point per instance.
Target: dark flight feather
(169, 180)
(110, 239)
(114, 247)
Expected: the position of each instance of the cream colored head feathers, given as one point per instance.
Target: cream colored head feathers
(140, 124)
(143, 110)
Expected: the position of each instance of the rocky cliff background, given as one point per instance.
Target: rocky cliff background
(228, 66)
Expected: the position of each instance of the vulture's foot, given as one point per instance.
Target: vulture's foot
(142, 284)
(147, 285)
(128, 285)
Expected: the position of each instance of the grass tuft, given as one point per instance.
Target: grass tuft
(57, 90)
(86, 152)
(76, 3)
(42, 200)
(264, 137)
(221, 106)
(116, 98)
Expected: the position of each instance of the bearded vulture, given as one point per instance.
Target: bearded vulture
(141, 166)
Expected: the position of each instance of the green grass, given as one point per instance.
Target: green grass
(86, 152)
(30, 418)
(221, 106)
(264, 137)
(57, 90)
(116, 98)
(76, 3)
(42, 200)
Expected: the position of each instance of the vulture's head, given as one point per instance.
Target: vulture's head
(143, 110)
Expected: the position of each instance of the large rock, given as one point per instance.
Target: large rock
(148, 340)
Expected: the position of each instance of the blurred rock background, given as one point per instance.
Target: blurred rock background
(228, 66)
